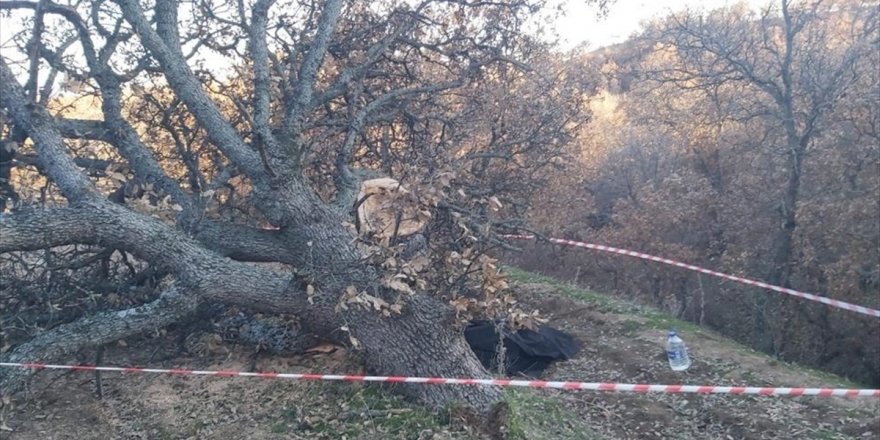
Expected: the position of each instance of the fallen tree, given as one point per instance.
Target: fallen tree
(201, 175)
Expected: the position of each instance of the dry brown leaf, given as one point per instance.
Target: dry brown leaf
(399, 286)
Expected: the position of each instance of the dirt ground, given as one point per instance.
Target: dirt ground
(621, 344)
(629, 348)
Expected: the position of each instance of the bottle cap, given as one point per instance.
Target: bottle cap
(673, 332)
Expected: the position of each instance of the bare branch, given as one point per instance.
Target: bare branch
(90, 129)
(128, 143)
(70, 15)
(341, 83)
(187, 87)
(92, 166)
(120, 132)
(34, 55)
(346, 181)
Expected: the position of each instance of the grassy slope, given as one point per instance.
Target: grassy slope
(623, 343)
(628, 341)
(657, 320)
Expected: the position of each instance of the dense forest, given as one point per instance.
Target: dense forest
(747, 142)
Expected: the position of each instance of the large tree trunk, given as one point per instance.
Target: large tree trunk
(422, 340)
(769, 322)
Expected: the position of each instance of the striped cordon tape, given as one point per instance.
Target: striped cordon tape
(809, 296)
(588, 386)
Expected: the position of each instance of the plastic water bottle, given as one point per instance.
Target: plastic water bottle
(677, 352)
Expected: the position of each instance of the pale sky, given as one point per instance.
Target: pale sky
(580, 24)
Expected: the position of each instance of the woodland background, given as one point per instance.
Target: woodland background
(687, 156)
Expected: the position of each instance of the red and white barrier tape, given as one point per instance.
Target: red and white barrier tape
(824, 300)
(588, 386)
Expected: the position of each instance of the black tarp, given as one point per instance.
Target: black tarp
(528, 352)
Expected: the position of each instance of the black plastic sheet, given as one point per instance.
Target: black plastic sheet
(527, 352)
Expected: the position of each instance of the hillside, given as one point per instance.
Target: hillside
(622, 343)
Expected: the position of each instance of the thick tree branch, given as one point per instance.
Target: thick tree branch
(91, 331)
(243, 243)
(105, 224)
(40, 228)
(302, 91)
(347, 183)
(260, 54)
(34, 55)
(167, 25)
(83, 129)
(187, 87)
(54, 155)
